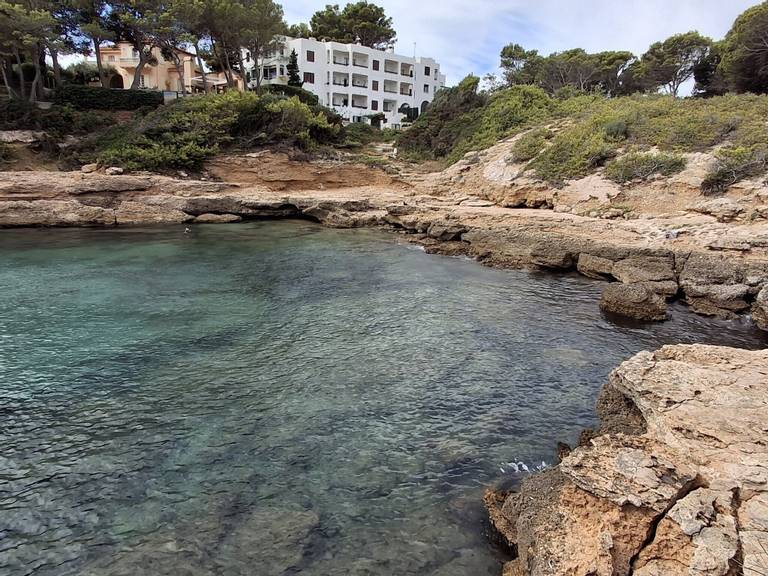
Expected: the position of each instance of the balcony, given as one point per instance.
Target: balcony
(340, 62)
(359, 102)
(359, 81)
(360, 60)
(406, 70)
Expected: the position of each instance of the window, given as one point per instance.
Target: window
(309, 77)
(282, 70)
(426, 70)
(248, 56)
(111, 58)
(374, 104)
(426, 88)
(375, 64)
(375, 85)
(310, 55)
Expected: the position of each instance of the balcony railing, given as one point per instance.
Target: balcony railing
(345, 83)
(360, 84)
(359, 106)
(341, 62)
(407, 73)
(390, 91)
(406, 92)
(360, 64)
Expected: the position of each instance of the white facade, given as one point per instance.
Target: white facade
(355, 80)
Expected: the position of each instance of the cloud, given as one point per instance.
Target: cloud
(467, 36)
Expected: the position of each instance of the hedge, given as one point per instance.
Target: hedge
(285, 90)
(98, 98)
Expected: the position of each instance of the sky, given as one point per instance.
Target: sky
(466, 36)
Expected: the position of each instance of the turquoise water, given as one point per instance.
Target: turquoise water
(278, 398)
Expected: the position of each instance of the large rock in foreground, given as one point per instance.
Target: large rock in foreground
(684, 492)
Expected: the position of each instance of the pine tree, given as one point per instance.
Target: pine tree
(293, 70)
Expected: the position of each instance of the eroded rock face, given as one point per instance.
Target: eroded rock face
(717, 269)
(760, 309)
(636, 301)
(686, 494)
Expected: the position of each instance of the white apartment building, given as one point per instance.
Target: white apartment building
(354, 80)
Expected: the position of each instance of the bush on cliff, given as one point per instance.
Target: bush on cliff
(530, 144)
(733, 164)
(643, 165)
(187, 132)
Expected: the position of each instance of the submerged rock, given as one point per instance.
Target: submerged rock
(636, 301)
(685, 494)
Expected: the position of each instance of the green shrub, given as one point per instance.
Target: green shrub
(453, 116)
(191, 130)
(98, 98)
(359, 132)
(284, 90)
(573, 154)
(617, 130)
(530, 144)
(58, 121)
(735, 163)
(641, 166)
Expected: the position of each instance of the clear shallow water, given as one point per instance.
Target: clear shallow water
(279, 398)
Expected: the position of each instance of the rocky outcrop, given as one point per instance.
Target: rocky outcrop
(717, 268)
(684, 493)
(760, 309)
(636, 301)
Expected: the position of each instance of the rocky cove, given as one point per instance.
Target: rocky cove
(718, 268)
(674, 479)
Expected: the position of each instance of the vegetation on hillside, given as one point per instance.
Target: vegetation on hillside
(569, 138)
(184, 134)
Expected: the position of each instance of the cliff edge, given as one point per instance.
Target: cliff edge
(675, 481)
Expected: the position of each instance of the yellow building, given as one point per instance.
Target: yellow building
(162, 75)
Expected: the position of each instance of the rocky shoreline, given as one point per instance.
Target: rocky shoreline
(675, 481)
(717, 269)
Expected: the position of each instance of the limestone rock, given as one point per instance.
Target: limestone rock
(760, 309)
(88, 168)
(644, 269)
(20, 136)
(724, 209)
(595, 266)
(633, 301)
(683, 496)
(217, 218)
(551, 255)
(134, 213)
(113, 171)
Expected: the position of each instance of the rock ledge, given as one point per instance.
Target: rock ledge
(675, 482)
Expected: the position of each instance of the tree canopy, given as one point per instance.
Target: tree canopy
(745, 52)
(360, 21)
